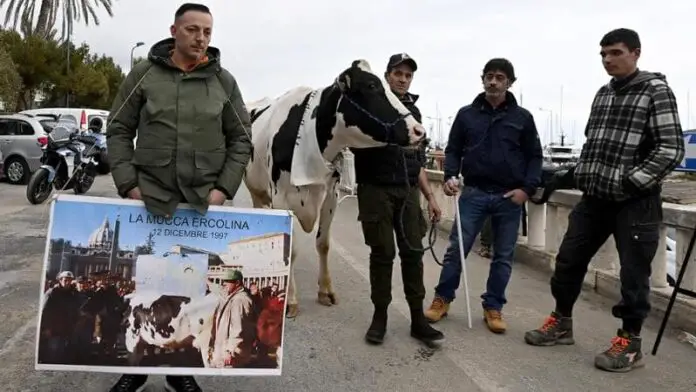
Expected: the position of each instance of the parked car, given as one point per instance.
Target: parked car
(81, 116)
(85, 119)
(21, 139)
(2, 172)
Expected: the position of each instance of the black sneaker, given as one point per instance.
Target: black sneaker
(181, 384)
(130, 383)
(624, 354)
(556, 330)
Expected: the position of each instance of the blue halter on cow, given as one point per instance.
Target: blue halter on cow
(298, 140)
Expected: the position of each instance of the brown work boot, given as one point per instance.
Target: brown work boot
(485, 251)
(494, 320)
(437, 310)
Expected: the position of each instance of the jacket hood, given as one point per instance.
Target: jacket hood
(645, 76)
(160, 53)
(638, 78)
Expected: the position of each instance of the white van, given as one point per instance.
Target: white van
(81, 116)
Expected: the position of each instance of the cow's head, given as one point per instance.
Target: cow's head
(553, 179)
(371, 113)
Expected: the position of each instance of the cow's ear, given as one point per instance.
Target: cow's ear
(344, 81)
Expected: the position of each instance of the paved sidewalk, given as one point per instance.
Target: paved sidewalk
(325, 349)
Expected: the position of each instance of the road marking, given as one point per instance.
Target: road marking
(472, 371)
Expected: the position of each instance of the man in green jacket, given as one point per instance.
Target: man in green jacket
(193, 134)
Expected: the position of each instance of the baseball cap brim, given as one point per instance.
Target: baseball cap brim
(398, 59)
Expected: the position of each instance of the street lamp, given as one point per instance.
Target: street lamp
(137, 45)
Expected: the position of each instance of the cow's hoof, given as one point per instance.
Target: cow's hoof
(292, 311)
(327, 299)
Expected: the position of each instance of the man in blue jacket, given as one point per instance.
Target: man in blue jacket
(494, 144)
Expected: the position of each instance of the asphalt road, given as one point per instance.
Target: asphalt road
(325, 350)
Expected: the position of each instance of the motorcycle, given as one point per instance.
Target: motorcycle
(102, 156)
(69, 161)
(95, 127)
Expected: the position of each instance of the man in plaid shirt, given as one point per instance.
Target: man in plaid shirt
(634, 139)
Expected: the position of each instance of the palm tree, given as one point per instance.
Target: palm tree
(22, 11)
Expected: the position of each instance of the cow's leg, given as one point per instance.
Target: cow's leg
(292, 304)
(326, 296)
(260, 199)
(135, 356)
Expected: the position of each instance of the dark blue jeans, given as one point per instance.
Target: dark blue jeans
(475, 206)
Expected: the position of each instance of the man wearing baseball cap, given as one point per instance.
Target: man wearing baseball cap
(234, 324)
(389, 202)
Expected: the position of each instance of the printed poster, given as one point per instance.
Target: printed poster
(125, 291)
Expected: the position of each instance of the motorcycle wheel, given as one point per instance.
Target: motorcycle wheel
(83, 182)
(103, 166)
(39, 189)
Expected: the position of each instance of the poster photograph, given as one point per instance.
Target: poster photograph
(125, 291)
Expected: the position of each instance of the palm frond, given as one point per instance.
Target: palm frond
(72, 11)
(16, 9)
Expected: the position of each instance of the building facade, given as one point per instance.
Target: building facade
(101, 253)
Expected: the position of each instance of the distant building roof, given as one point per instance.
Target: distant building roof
(259, 237)
(178, 248)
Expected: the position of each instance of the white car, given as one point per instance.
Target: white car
(81, 116)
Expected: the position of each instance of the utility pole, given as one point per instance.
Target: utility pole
(560, 115)
(67, 49)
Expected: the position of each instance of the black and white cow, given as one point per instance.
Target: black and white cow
(298, 140)
(163, 320)
(554, 178)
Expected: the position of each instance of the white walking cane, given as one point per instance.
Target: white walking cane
(458, 222)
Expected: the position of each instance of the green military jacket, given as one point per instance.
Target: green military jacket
(193, 132)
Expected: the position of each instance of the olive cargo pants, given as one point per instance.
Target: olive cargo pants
(381, 210)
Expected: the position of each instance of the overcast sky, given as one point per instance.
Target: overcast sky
(271, 46)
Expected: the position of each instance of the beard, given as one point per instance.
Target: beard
(495, 92)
